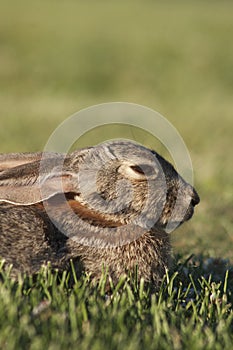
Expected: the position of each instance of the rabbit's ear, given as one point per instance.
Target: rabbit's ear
(11, 160)
(32, 181)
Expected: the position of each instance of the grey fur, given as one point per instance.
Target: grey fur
(104, 206)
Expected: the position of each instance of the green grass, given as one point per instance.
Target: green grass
(192, 310)
(173, 56)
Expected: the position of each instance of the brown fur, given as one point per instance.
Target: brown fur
(84, 223)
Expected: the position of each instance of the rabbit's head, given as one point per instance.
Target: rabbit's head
(118, 188)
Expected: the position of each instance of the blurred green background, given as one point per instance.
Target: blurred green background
(57, 57)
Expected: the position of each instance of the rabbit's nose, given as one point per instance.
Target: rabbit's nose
(195, 199)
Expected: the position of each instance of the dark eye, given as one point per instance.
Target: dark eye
(143, 169)
(137, 169)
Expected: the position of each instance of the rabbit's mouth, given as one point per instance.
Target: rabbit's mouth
(172, 219)
(195, 200)
(179, 207)
(189, 213)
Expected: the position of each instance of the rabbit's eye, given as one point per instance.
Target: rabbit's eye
(137, 172)
(143, 169)
(137, 169)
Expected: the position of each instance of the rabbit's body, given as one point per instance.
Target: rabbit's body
(27, 248)
(113, 210)
(28, 238)
(148, 256)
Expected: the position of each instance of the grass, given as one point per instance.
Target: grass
(174, 57)
(192, 310)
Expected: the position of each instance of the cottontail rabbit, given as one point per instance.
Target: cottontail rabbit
(111, 206)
